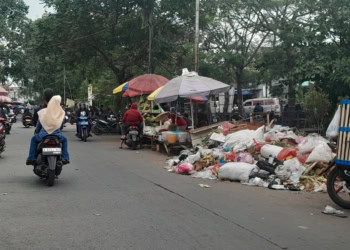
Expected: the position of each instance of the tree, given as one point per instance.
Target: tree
(13, 28)
(236, 35)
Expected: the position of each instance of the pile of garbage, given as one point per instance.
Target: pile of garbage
(271, 157)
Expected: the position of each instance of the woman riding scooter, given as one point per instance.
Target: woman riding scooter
(49, 123)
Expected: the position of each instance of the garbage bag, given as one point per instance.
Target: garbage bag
(270, 150)
(321, 153)
(287, 153)
(205, 174)
(310, 142)
(236, 171)
(264, 165)
(332, 130)
(184, 168)
(302, 157)
(193, 158)
(244, 138)
(244, 157)
(291, 169)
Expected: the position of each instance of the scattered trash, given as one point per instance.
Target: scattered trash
(272, 157)
(303, 227)
(332, 211)
(204, 185)
(98, 214)
(3, 193)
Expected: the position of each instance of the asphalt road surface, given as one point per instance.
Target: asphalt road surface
(109, 198)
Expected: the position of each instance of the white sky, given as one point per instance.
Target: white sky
(36, 8)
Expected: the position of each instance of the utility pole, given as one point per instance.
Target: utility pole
(196, 40)
(64, 85)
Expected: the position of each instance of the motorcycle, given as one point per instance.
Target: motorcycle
(12, 117)
(71, 118)
(84, 126)
(48, 163)
(27, 121)
(338, 183)
(132, 138)
(2, 138)
(5, 122)
(109, 126)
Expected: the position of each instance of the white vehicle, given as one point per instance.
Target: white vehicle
(269, 104)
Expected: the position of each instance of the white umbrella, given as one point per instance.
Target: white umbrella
(187, 85)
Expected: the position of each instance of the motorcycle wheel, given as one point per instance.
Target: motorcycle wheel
(336, 190)
(50, 177)
(96, 130)
(134, 145)
(84, 135)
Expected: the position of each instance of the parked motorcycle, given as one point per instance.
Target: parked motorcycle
(27, 121)
(109, 126)
(84, 126)
(5, 122)
(71, 117)
(2, 138)
(132, 138)
(48, 163)
(12, 117)
(338, 183)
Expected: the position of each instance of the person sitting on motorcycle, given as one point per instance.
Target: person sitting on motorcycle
(27, 113)
(82, 107)
(49, 123)
(130, 117)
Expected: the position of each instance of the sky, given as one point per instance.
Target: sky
(36, 9)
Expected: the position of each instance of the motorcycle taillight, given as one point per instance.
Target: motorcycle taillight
(51, 142)
(134, 127)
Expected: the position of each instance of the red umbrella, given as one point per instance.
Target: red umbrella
(145, 84)
(3, 91)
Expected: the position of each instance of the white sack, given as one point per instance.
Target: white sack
(236, 171)
(322, 152)
(244, 138)
(332, 130)
(310, 142)
(272, 150)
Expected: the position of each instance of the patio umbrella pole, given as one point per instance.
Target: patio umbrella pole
(192, 113)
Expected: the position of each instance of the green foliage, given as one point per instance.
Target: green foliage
(316, 107)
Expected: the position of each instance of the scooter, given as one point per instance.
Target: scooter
(111, 126)
(5, 122)
(48, 163)
(84, 126)
(132, 138)
(27, 121)
(338, 183)
(2, 138)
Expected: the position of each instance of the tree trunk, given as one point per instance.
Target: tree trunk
(226, 103)
(239, 76)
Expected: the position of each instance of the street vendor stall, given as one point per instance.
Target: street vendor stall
(189, 86)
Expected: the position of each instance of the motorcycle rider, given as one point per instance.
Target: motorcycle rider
(50, 121)
(82, 107)
(132, 116)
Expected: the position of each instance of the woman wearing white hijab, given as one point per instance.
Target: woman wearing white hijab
(50, 123)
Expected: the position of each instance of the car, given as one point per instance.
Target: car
(269, 104)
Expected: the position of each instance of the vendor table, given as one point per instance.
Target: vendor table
(170, 146)
(152, 138)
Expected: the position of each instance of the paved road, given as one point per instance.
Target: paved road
(109, 198)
